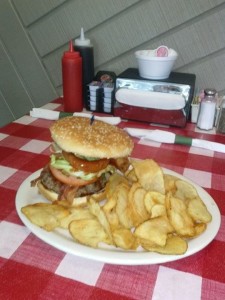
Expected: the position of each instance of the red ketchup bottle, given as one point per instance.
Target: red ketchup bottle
(72, 80)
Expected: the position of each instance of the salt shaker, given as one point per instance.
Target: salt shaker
(207, 110)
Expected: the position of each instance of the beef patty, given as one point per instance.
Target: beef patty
(51, 183)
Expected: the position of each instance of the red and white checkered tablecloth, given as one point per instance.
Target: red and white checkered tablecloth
(32, 269)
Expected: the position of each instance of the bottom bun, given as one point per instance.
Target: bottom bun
(77, 202)
(49, 195)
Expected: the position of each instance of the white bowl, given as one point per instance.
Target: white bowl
(155, 67)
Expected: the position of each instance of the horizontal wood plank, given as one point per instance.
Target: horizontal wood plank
(32, 10)
(34, 35)
(192, 42)
(54, 32)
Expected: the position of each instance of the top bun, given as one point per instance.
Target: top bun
(98, 140)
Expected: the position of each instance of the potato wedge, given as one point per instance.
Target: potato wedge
(200, 228)
(75, 214)
(122, 206)
(169, 182)
(138, 211)
(45, 215)
(179, 216)
(155, 204)
(198, 210)
(154, 231)
(113, 219)
(124, 239)
(110, 190)
(149, 175)
(88, 232)
(175, 245)
(185, 190)
(97, 211)
(131, 176)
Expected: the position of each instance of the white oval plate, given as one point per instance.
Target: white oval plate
(61, 239)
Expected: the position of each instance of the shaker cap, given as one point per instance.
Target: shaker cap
(82, 41)
(210, 92)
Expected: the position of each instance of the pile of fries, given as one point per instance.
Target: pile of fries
(143, 208)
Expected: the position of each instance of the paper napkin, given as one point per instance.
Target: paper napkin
(55, 115)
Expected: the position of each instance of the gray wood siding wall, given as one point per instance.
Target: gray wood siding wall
(34, 34)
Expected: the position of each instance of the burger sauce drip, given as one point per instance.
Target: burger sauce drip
(80, 164)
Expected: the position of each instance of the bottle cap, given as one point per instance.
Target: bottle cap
(82, 41)
(71, 53)
(210, 92)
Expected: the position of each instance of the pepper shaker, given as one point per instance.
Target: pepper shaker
(220, 128)
(207, 110)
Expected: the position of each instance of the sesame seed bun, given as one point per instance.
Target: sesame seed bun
(98, 140)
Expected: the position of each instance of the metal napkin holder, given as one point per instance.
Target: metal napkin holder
(165, 102)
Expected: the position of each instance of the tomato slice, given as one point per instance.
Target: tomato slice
(80, 164)
(69, 180)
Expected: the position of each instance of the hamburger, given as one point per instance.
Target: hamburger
(84, 154)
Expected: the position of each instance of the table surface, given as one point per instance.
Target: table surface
(32, 269)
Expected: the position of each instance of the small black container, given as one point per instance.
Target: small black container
(86, 50)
